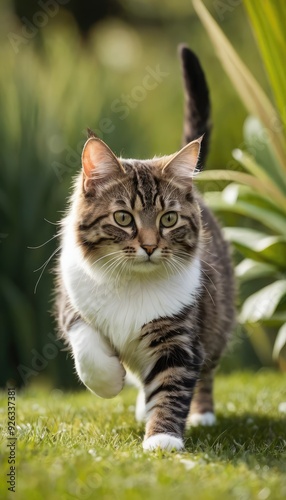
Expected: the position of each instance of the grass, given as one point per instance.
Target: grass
(77, 446)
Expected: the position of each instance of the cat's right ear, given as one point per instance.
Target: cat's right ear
(99, 164)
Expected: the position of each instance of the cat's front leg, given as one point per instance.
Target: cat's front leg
(96, 363)
(169, 387)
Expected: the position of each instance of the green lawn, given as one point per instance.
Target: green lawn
(76, 445)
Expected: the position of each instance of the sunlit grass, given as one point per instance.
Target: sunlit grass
(75, 445)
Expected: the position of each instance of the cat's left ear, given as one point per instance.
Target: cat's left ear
(182, 165)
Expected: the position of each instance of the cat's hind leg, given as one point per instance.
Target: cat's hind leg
(140, 409)
(96, 363)
(202, 407)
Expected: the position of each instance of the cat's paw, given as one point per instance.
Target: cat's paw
(105, 381)
(163, 442)
(206, 419)
(96, 363)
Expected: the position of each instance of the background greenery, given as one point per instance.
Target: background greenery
(55, 81)
(256, 197)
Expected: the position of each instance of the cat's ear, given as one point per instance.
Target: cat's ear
(91, 133)
(181, 166)
(99, 164)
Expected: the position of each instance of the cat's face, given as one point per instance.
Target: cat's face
(137, 216)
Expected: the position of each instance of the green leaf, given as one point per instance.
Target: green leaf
(258, 145)
(262, 304)
(262, 187)
(249, 269)
(280, 343)
(268, 20)
(218, 202)
(234, 192)
(260, 341)
(250, 92)
(258, 246)
(277, 319)
(249, 163)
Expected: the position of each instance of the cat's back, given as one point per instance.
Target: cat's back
(216, 304)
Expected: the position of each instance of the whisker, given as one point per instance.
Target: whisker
(174, 266)
(210, 266)
(208, 292)
(183, 253)
(204, 272)
(43, 244)
(208, 277)
(105, 256)
(121, 270)
(43, 267)
(113, 265)
(53, 223)
(166, 267)
(110, 261)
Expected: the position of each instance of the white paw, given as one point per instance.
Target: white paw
(107, 380)
(206, 419)
(140, 412)
(96, 362)
(164, 442)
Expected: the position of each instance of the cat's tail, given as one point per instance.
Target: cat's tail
(197, 102)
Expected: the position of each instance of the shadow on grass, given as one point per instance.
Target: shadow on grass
(258, 441)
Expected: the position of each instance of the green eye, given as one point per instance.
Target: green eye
(169, 219)
(123, 218)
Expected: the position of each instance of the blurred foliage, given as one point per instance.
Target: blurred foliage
(260, 194)
(54, 84)
(84, 11)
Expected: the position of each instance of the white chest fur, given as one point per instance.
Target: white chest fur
(120, 311)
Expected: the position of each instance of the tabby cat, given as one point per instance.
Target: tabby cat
(145, 280)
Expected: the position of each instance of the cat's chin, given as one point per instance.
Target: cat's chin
(147, 266)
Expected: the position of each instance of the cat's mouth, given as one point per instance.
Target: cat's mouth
(147, 262)
(146, 265)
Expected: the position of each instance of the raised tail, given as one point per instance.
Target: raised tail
(197, 102)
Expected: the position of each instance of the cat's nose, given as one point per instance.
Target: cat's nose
(149, 249)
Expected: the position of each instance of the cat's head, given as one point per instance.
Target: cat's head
(137, 216)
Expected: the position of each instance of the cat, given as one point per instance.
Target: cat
(144, 278)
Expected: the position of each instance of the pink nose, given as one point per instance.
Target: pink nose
(149, 249)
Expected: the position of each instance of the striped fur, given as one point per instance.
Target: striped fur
(145, 283)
